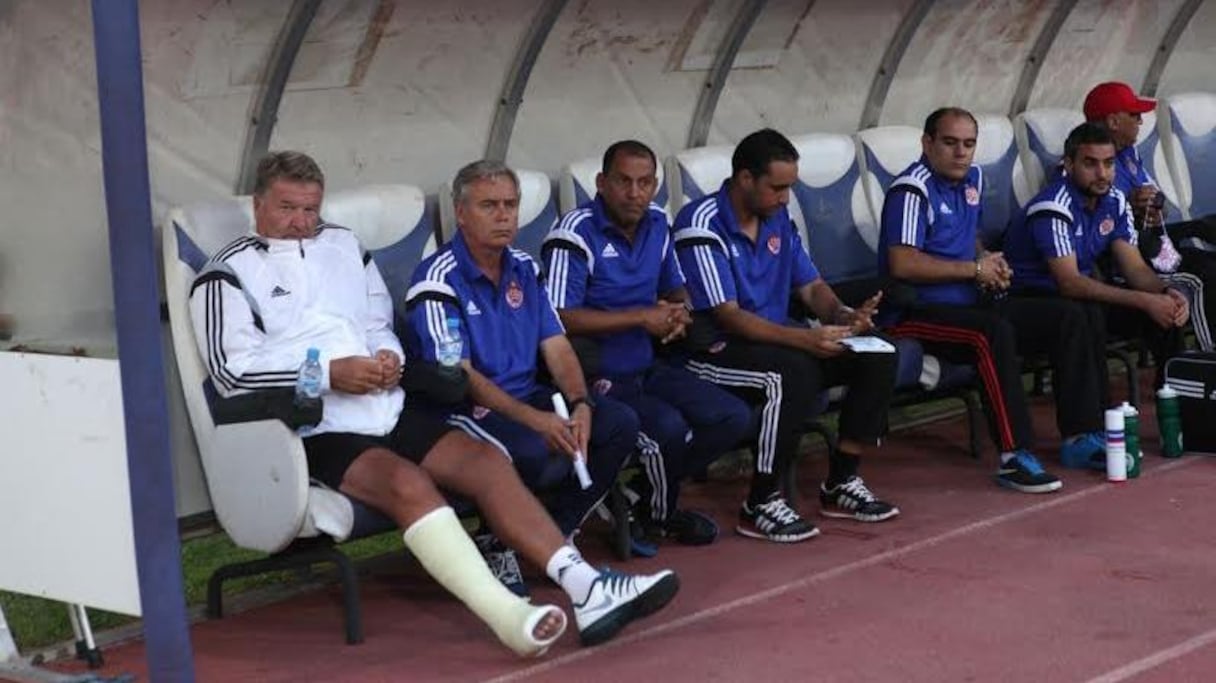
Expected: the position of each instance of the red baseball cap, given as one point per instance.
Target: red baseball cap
(1113, 97)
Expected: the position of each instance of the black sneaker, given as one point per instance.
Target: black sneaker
(1024, 473)
(502, 563)
(685, 527)
(774, 520)
(851, 499)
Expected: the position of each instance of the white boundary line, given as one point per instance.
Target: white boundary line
(1157, 659)
(828, 574)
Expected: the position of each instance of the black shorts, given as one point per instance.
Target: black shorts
(330, 454)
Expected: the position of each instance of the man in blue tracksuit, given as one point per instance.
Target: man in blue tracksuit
(614, 278)
(496, 297)
(744, 264)
(1055, 244)
(930, 242)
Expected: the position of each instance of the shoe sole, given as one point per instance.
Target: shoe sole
(788, 538)
(650, 601)
(858, 516)
(1030, 488)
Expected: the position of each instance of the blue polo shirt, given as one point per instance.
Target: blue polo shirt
(722, 264)
(1056, 224)
(591, 264)
(502, 324)
(1130, 172)
(937, 216)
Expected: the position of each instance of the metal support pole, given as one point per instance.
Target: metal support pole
(124, 157)
(1165, 49)
(270, 92)
(891, 57)
(715, 80)
(1038, 52)
(513, 87)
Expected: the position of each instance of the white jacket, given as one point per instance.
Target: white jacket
(259, 304)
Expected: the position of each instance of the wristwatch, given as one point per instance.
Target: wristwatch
(574, 402)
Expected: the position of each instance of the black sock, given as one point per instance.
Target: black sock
(763, 486)
(841, 466)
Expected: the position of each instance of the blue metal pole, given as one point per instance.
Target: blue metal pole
(124, 155)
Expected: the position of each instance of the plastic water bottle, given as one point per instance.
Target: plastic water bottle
(1131, 438)
(1169, 422)
(450, 346)
(1116, 447)
(308, 383)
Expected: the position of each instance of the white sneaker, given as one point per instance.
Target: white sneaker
(616, 598)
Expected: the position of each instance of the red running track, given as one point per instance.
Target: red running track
(1097, 582)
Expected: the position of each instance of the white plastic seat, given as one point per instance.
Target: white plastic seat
(693, 173)
(256, 472)
(1188, 134)
(837, 225)
(1006, 187)
(537, 210)
(1040, 134)
(885, 152)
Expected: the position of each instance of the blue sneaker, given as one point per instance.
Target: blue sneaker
(1024, 473)
(1087, 451)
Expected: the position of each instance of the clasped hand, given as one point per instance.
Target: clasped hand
(993, 273)
(363, 374)
(666, 320)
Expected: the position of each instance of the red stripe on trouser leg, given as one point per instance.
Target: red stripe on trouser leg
(983, 362)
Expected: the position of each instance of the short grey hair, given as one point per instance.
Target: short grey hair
(485, 169)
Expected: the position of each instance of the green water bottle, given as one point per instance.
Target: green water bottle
(1131, 436)
(1169, 422)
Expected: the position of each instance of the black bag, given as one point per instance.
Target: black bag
(1193, 376)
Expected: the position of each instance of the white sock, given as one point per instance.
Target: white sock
(568, 570)
(1007, 456)
(444, 549)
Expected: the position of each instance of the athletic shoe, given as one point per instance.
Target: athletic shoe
(774, 520)
(850, 499)
(1024, 473)
(502, 563)
(616, 598)
(686, 527)
(1087, 451)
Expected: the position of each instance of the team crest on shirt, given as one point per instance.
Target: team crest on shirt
(602, 386)
(774, 245)
(1107, 226)
(1132, 167)
(717, 347)
(515, 295)
(480, 412)
(973, 196)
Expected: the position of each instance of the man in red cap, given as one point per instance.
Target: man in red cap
(1116, 107)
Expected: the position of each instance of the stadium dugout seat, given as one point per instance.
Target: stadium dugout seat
(577, 186)
(885, 151)
(537, 211)
(1189, 134)
(694, 172)
(1005, 187)
(1040, 135)
(831, 209)
(256, 472)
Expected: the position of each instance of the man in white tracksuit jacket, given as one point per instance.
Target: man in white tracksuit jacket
(297, 283)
